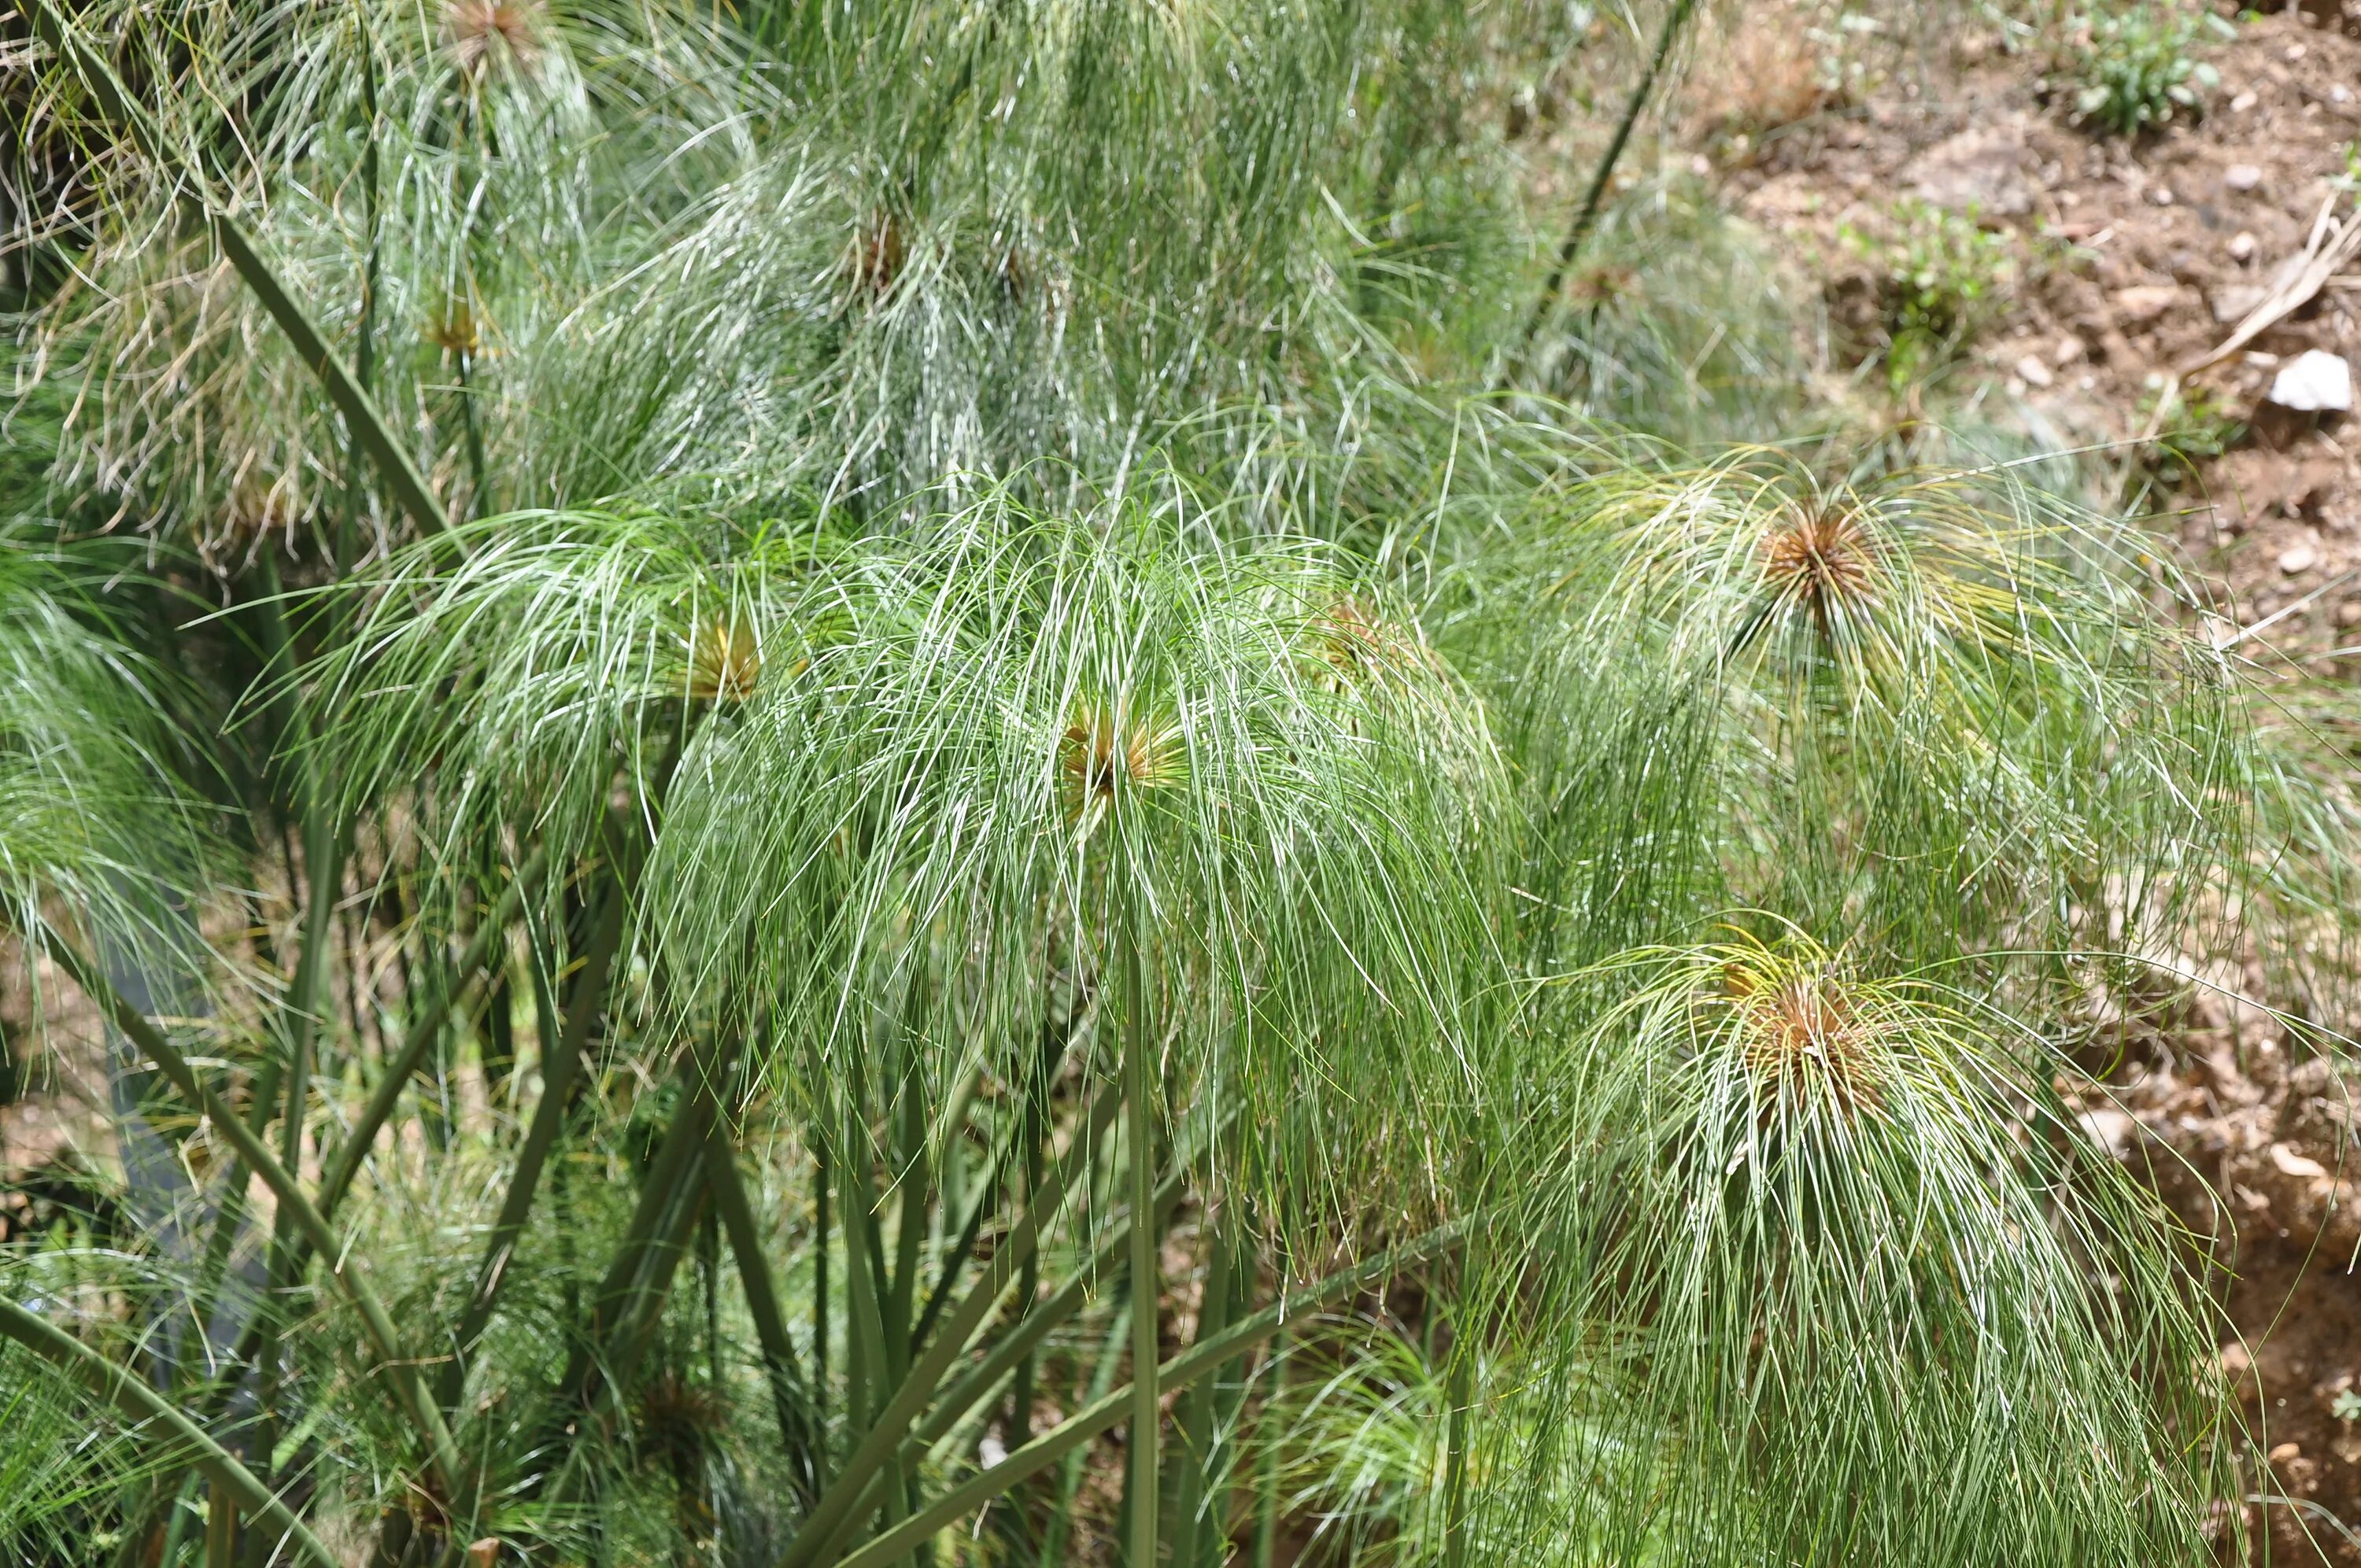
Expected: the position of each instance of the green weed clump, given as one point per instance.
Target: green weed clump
(2200, 426)
(2133, 71)
(1943, 276)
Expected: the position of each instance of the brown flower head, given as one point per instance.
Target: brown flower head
(456, 329)
(1602, 285)
(878, 252)
(1800, 1032)
(1101, 758)
(679, 1423)
(1822, 555)
(723, 663)
(1360, 645)
(483, 33)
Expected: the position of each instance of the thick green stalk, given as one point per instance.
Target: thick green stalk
(141, 1405)
(365, 353)
(797, 1432)
(1111, 1412)
(820, 1180)
(221, 1528)
(398, 1365)
(1028, 1291)
(679, 1161)
(1459, 1395)
(1586, 214)
(423, 1027)
(910, 1230)
(1266, 1541)
(323, 868)
(561, 1062)
(1230, 1383)
(402, 477)
(642, 1314)
(1193, 1419)
(1147, 1284)
(862, 1368)
(176, 1528)
(883, 1440)
(1033, 1133)
(1111, 1355)
(1454, 1472)
(479, 489)
(1017, 1345)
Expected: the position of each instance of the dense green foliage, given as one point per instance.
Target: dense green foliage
(1014, 673)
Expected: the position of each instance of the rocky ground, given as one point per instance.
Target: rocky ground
(2127, 263)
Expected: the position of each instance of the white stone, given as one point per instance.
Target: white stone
(2032, 372)
(2235, 301)
(2161, 195)
(2112, 1130)
(2242, 177)
(2299, 558)
(2242, 246)
(1984, 170)
(2143, 302)
(2069, 350)
(2242, 103)
(2290, 1163)
(2316, 381)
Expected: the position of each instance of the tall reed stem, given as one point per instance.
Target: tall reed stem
(1147, 1283)
(1586, 214)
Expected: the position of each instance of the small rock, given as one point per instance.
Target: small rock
(2112, 1130)
(2069, 350)
(2242, 246)
(2295, 52)
(2339, 94)
(1982, 170)
(2160, 195)
(2144, 302)
(2316, 381)
(2349, 613)
(2032, 372)
(2286, 1159)
(2287, 1451)
(2295, 560)
(2236, 1358)
(2233, 302)
(2242, 177)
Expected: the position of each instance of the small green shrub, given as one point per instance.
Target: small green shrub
(2198, 428)
(2133, 69)
(1941, 276)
